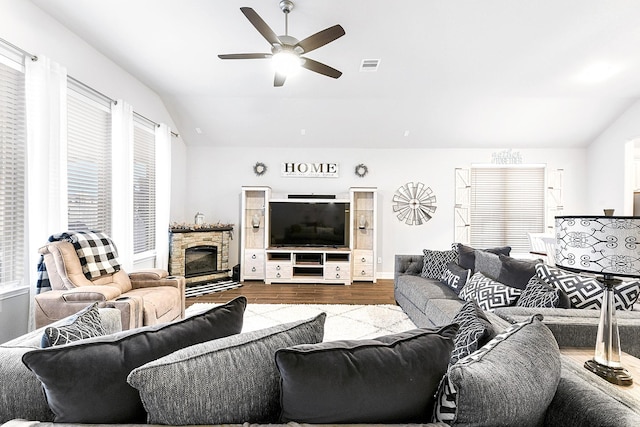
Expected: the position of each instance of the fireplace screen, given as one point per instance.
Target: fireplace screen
(200, 261)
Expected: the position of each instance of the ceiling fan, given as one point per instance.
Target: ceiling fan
(287, 51)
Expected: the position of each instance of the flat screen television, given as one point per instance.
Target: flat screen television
(320, 224)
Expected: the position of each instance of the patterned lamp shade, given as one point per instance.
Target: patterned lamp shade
(599, 244)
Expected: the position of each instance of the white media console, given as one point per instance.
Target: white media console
(262, 257)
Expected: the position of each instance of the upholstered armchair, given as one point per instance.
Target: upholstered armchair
(144, 297)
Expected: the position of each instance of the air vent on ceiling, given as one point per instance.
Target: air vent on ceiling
(369, 65)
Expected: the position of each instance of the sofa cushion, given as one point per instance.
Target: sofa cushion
(488, 293)
(230, 380)
(85, 381)
(467, 254)
(455, 277)
(475, 330)
(390, 379)
(540, 295)
(435, 262)
(586, 292)
(516, 272)
(84, 324)
(508, 382)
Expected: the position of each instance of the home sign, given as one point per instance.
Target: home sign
(310, 170)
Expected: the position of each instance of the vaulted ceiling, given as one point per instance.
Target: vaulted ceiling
(463, 73)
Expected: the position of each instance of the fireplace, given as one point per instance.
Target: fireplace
(200, 255)
(200, 261)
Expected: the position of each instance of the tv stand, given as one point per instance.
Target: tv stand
(307, 264)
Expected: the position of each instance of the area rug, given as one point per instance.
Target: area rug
(343, 321)
(209, 288)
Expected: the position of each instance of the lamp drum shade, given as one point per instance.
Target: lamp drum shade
(599, 244)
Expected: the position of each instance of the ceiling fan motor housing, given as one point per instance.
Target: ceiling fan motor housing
(286, 6)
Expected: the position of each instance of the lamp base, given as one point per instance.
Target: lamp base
(619, 376)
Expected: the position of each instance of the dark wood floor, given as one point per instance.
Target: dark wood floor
(259, 293)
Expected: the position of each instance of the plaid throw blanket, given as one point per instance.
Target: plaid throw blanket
(97, 254)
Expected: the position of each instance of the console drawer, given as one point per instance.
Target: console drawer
(361, 257)
(337, 271)
(363, 271)
(277, 270)
(253, 267)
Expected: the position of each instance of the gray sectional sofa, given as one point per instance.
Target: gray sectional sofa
(517, 377)
(581, 398)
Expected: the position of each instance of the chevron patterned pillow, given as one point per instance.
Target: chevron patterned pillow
(475, 330)
(586, 292)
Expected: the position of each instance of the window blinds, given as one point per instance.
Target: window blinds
(88, 161)
(144, 186)
(12, 175)
(506, 204)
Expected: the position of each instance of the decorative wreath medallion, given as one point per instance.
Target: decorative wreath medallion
(361, 170)
(414, 203)
(259, 168)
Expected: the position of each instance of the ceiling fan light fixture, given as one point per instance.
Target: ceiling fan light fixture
(286, 62)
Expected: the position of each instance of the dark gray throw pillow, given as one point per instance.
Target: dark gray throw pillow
(467, 254)
(516, 272)
(455, 277)
(389, 379)
(86, 381)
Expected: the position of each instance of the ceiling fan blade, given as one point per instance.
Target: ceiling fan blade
(320, 68)
(279, 79)
(245, 56)
(260, 25)
(321, 38)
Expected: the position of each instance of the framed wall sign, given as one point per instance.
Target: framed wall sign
(310, 170)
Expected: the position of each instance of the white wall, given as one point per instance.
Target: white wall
(610, 164)
(215, 175)
(26, 26)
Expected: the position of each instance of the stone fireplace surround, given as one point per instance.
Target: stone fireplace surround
(180, 240)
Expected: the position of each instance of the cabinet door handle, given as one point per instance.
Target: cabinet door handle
(363, 259)
(337, 275)
(363, 273)
(277, 267)
(337, 268)
(278, 275)
(253, 269)
(253, 256)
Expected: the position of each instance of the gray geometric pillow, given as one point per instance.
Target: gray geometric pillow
(488, 293)
(538, 295)
(489, 387)
(435, 262)
(228, 380)
(474, 330)
(85, 324)
(586, 292)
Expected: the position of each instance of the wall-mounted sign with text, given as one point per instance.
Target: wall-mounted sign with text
(310, 170)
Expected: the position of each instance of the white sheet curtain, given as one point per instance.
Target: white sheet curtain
(122, 181)
(46, 105)
(163, 194)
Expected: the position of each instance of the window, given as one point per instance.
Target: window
(144, 186)
(88, 161)
(506, 203)
(12, 174)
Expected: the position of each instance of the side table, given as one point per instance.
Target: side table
(632, 364)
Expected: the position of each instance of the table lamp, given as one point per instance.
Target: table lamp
(608, 246)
